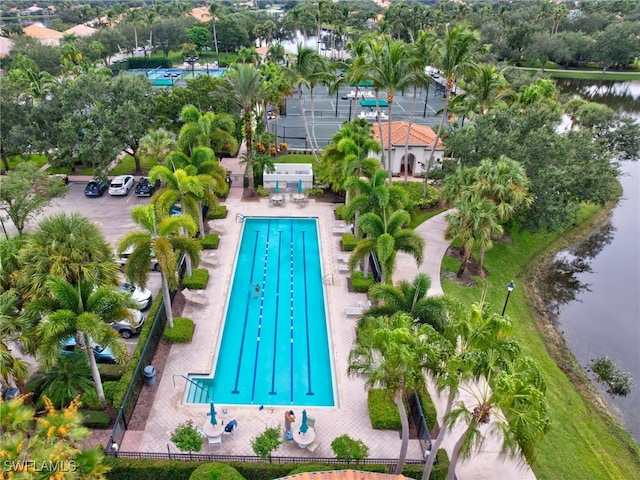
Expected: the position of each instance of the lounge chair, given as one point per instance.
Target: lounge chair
(313, 446)
(358, 309)
(343, 267)
(343, 256)
(342, 229)
(214, 442)
(196, 296)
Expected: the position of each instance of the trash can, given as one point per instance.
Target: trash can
(150, 374)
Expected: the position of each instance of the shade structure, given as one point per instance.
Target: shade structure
(303, 425)
(212, 414)
(277, 186)
(372, 103)
(300, 186)
(362, 84)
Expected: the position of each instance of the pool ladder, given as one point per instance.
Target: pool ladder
(239, 217)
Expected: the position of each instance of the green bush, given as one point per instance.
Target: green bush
(261, 191)
(312, 467)
(264, 444)
(217, 213)
(314, 191)
(215, 471)
(210, 241)
(182, 330)
(416, 197)
(198, 279)
(438, 472)
(349, 242)
(347, 449)
(382, 410)
(359, 283)
(95, 419)
(109, 372)
(187, 438)
(90, 400)
(110, 389)
(340, 211)
(128, 468)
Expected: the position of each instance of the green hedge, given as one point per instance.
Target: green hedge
(349, 242)
(220, 212)
(382, 410)
(95, 419)
(182, 331)
(312, 467)
(126, 469)
(359, 283)
(215, 471)
(127, 376)
(210, 241)
(109, 372)
(198, 279)
(428, 408)
(416, 197)
(438, 472)
(340, 212)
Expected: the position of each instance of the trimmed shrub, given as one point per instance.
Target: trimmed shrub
(340, 212)
(95, 419)
(110, 389)
(210, 241)
(215, 471)
(313, 467)
(359, 283)
(128, 468)
(382, 410)
(217, 213)
(438, 472)
(416, 197)
(198, 279)
(261, 191)
(90, 400)
(182, 331)
(348, 449)
(349, 242)
(314, 191)
(109, 372)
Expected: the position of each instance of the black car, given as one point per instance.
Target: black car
(96, 188)
(145, 188)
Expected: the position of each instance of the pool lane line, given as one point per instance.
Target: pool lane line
(306, 314)
(261, 311)
(275, 330)
(246, 317)
(291, 309)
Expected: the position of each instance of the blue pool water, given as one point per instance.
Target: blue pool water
(274, 348)
(168, 77)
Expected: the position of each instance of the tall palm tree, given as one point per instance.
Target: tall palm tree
(486, 88)
(386, 236)
(157, 144)
(243, 86)
(162, 238)
(474, 223)
(394, 354)
(412, 299)
(454, 57)
(213, 11)
(133, 16)
(205, 130)
(10, 261)
(11, 329)
(68, 246)
(84, 312)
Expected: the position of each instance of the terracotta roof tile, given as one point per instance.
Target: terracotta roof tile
(420, 134)
(40, 32)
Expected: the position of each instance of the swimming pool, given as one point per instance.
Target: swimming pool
(168, 77)
(274, 348)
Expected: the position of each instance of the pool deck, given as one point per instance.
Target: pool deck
(350, 416)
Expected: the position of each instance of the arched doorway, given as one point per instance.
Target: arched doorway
(411, 162)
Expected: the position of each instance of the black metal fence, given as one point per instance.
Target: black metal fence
(417, 418)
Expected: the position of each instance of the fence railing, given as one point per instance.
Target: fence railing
(417, 418)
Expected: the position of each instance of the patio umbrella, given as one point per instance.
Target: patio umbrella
(212, 413)
(300, 186)
(277, 186)
(303, 426)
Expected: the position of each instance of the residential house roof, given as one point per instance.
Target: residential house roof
(5, 46)
(81, 31)
(420, 135)
(201, 14)
(43, 34)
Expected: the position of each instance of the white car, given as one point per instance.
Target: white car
(122, 260)
(140, 295)
(126, 328)
(121, 185)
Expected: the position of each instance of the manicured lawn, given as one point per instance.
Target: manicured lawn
(128, 165)
(423, 217)
(294, 158)
(584, 442)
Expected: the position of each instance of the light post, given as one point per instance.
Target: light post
(192, 61)
(510, 287)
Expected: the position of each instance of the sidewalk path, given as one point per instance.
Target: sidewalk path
(485, 464)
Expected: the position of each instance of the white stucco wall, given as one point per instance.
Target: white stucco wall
(287, 175)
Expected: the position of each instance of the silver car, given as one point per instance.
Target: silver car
(129, 327)
(121, 185)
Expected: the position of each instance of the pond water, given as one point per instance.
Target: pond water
(592, 289)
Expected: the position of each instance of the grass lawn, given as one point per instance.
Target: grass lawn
(127, 165)
(584, 442)
(294, 158)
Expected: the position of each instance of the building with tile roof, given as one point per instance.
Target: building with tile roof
(421, 140)
(42, 34)
(5, 46)
(81, 31)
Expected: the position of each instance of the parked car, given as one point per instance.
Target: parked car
(121, 185)
(138, 294)
(95, 188)
(124, 257)
(145, 188)
(100, 353)
(126, 328)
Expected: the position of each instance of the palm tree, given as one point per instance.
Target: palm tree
(10, 261)
(162, 238)
(82, 311)
(412, 299)
(133, 16)
(68, 246)
(394, 354)
(276, 53)
(149, 17)
(474, 222)
(11, 329)
(157, 144)
(454, 57)
(386, 236)
(213, 11)
(66, 379)
(205, 130)
(485, 89)
(243, 86)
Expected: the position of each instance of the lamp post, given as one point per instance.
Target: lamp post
(192, 61)
(510, 288)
